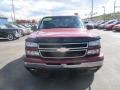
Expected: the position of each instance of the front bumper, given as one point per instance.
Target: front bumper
(89, 62)
(63, 66)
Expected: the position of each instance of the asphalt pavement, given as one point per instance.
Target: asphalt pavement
(13, 75)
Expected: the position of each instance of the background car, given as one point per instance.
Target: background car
(99, 23)
(28, 28)
(15, 27)
(90, 24)
(102, 26)
(25, 30)
(116, 27)
(109, 26)
(9, 33)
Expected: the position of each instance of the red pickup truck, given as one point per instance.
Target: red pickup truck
(63, 43)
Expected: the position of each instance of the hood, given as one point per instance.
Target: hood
(62, 32)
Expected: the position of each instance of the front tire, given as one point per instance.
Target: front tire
(38, 72)
(34, 72)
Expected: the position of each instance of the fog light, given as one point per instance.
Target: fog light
(92, 52)
(33, 53)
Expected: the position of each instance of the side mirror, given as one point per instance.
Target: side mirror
(34, 28)
(89, 27)
(85, 22)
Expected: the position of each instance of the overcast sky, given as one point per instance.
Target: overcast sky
(29, 9)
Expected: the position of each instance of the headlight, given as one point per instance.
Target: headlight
(16, 33)
(33, 53)
(93, 52)
(94, 43)
(31, 44)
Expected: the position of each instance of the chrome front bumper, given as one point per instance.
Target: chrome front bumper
(63, 66)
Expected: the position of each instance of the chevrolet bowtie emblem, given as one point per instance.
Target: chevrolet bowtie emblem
(62, 50)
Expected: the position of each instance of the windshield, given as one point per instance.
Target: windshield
(61, 22)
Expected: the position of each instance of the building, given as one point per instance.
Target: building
(3, 20)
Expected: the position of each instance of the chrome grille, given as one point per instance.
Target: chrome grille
(65, 45)
(62, 50)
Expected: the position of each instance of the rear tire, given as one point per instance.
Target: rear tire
(97, 69)
(85, 72)
(10, 37)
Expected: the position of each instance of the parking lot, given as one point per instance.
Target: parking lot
(13, 75)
